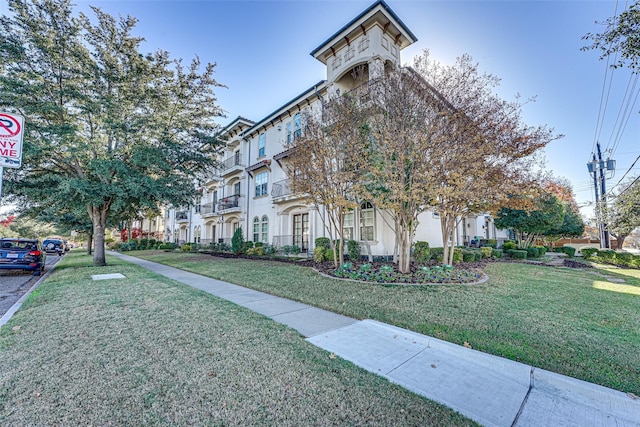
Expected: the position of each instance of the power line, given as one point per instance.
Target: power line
(602, 109)
(628, 111)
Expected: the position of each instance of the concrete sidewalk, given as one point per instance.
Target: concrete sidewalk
(488, 389)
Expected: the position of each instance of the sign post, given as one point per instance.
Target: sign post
(11, 132)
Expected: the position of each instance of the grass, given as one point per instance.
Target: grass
(568, 321)
(149, 351)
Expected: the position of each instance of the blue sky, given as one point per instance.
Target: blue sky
(262, 53)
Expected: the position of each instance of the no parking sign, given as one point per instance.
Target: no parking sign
(11, 131)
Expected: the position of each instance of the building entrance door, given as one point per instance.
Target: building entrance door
(301, 231)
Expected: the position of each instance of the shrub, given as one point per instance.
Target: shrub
(237, 241)
(436, 253)
(319, 254)
(291, 249)
(258, 244)
(269, 250)
(496, 253)
(185, 248)
(167, 246)
(468, 256)
(567, 250)
(588, 252)
(257, 251)
(246, 246)
(518, 254)
(478, 255)
(507, 245)
(492, 243)
(323, 242)
(532, 252)
(421, 252)
(328, 254)
(457, 255)
(353, 249)
(144, 243)
(486, 251)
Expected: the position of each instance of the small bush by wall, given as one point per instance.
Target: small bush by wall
(421, 252)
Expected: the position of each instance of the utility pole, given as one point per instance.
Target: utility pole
(605, 230)
(601, 206)
(593, 168)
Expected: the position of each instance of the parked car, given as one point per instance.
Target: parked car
(55, 246)
(23, 254)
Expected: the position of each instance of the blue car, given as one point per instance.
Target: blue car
(22, 254)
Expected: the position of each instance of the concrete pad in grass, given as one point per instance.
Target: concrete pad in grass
(108, 276)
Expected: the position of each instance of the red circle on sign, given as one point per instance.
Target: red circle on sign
(7, 122)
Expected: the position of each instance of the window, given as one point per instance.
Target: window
(289, 133)
(265, 229)
(236, 189)
(367, 221)
(261, 184)
(256, 229)
(236, 158)
(297, 126)
(347, 227)
(261, 143)
(197, 234)
(214, 199)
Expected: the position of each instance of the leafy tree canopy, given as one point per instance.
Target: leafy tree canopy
(109, 129)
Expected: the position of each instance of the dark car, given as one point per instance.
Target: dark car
(23, 254)
(55, 246)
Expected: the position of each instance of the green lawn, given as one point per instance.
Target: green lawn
(573, 322)
(149, 351)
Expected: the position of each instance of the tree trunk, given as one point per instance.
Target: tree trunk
(620, 240)
(447, 253)
(404, 249)
(89, 242)
(99, 216)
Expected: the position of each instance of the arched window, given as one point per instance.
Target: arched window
(197, 234)
(367, 221)
(265, 229)
(256, 229)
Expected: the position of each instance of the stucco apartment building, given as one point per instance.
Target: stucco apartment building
(250, 189)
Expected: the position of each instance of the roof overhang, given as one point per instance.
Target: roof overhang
(379, 14)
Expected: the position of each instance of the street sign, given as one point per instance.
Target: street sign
(11, 131)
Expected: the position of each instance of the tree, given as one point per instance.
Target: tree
(109, 129)
(403, 113)
(622, 37)
(572, 223)
(528, 225)
(328, 160)
(489, 149)
(623, 214)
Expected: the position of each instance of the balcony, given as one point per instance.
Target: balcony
(231, 165)
(281, 191)
(182, 216)
(229, 204)
(208, 209)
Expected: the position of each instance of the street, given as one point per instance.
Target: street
(15, 283)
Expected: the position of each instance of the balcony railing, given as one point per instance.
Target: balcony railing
(182, 216)
(229, 202)
(208, 209)
(231, 164)
(281, 188)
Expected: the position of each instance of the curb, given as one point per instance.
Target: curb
(9, 314)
